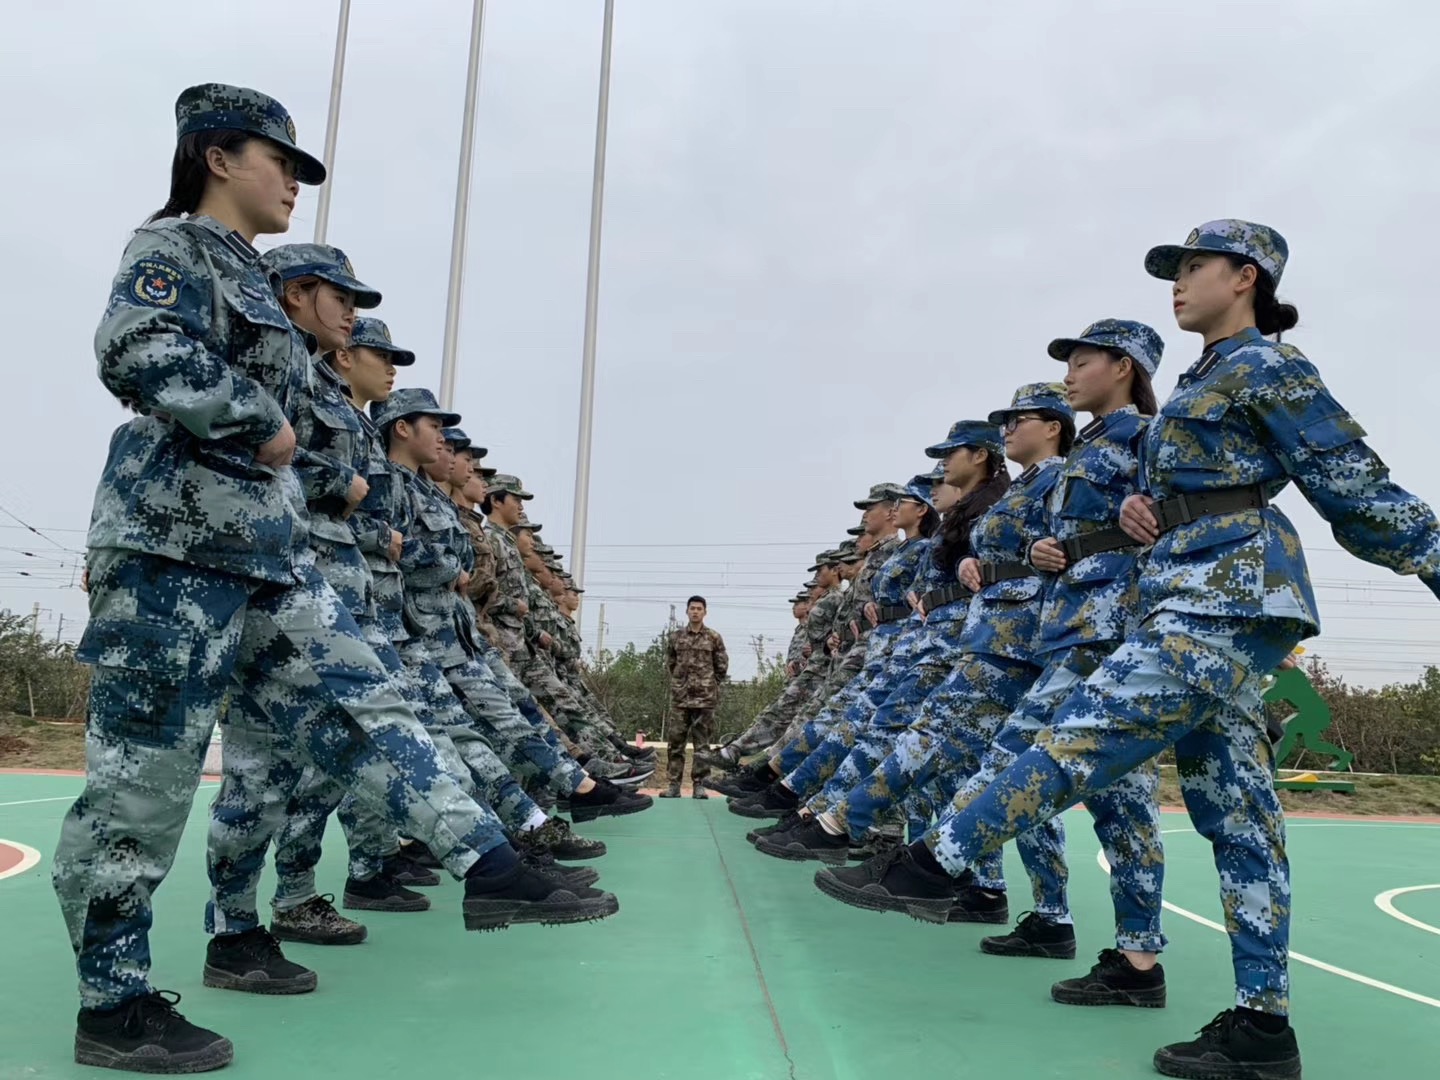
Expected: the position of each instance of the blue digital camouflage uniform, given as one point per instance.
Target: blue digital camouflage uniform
(201, 580)
(1224, 597)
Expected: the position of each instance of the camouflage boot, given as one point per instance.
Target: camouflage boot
(698, 791)
(671, 792)
(556, 838)
(316, 922)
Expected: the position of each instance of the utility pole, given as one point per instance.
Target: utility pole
(60, 629)
(35, 627)
(600, 635)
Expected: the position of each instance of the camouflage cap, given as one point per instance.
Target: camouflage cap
(374, 334)
(546, 549)
(802, 597)
(848, 552)
(488, 471)
(410, 401)
(505, 484)
(526, 523)
(828, 557)
(1260, 243)
(1134, 339)
(327, 263)
(880, 493)
(1032, 396)
(218, 107)
(856, 530)
(921, 489)
(976, 434)
(457, 439)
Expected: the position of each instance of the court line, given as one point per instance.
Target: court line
(72, 798)
(1385, 902)
(28, 858)
(1344, 973)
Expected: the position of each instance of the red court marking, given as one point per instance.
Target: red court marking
(9, 857)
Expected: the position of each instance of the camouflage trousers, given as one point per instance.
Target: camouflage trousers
(688, 725)
(836, 679)
(1192, 682)
(775, 717)
(812, 758)
(943, 747)
(168, 642)
(560, 702)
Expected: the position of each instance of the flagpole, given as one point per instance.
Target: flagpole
(332, 121)
(592, 298)
(458, 239)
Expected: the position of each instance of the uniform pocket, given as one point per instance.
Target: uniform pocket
(137, 690)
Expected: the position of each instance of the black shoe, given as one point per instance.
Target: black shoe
(1114, 981)
(316, 922)
(735, 788)
(1232, 1047)
(543, 799)
(381, 893)
(524, 894)
(403, 871)
(148, 1034)
(604, 800)
(1033, 936)
(808, 841)
(420, 855)
(574, 877)
(775, 801)
(557, 838)
(977, 905)
(791, 821)
(891, 882)
(253, 962)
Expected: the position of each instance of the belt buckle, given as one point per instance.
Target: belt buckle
(1180, 516)
(988, 573)
(1072, 550)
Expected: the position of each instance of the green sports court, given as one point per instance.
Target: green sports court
(724, 964)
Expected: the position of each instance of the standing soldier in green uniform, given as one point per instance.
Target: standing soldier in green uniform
(697, 661)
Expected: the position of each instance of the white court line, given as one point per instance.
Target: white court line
(1385, 902)
(28, 858)
(72, 798)
(1353, 976)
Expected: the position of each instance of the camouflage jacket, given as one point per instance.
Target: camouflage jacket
(1093, 600)
(795, 654)
(1251, 411)
(483, 582)
(510, 575)
(386, 506)
(863, 585)
(195, 341)
(698, 664)
(1003, 619)
(823, 622)
(433, 559)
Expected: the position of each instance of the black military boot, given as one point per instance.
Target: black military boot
(891, 882)
(253, 962)
(1034, 935)
(382, 893)
(775, 801)
(148, 1034)
(420, 855)
(807, 841)
(747, 782)
(412, 875)
(1234, 1046)
(604, 800)
(527, 894)
(316, 922)
(793, 820)
(976, 905)
(1114, 981)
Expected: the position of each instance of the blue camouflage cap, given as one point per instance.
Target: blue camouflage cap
(1032, 396)
(1258, 242)
(457, 439)
(327, 263)
(976, 434)
(410, 401)
(1134, 339)
(921, 488)
(374, 334)
(218, 107)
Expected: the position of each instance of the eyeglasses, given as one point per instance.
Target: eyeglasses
(1015, 421)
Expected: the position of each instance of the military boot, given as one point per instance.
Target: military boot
(1114, 981)
(671, 792)
(557, 838)
(253, 962)
(697, 790)
(1034, 935)
(1235, 1046)
(148, 1034)
(382, 893)
(316, 922)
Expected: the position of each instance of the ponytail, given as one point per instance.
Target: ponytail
(1272, 318)
(190, 172)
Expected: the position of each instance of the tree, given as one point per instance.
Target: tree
(39, 677)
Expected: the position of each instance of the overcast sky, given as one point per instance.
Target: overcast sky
(831, 229)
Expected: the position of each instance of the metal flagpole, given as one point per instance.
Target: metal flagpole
(462, 211)
(332, 122)
(592, 296)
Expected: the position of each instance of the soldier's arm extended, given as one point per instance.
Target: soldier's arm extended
(151, 353)
(1324, 451)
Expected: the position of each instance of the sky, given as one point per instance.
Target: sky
(830, 230)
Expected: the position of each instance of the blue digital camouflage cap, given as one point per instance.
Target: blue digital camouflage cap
(410, 401)
(1258, 242)
(505, 484)
(218, 107)
(457, 439)
(374, 334)
(1033, 396)
(327, 263)
(976, 434)
(879, 493)
(1134, 339)
(921, 489)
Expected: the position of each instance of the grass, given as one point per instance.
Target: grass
(41, 743)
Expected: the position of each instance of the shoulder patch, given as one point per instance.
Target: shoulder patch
(1090, 430)
(156, 283)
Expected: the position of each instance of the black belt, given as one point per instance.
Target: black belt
(991, 572)
(1192, 506)
(1093, 543)
(932, 601)
(891, 612)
